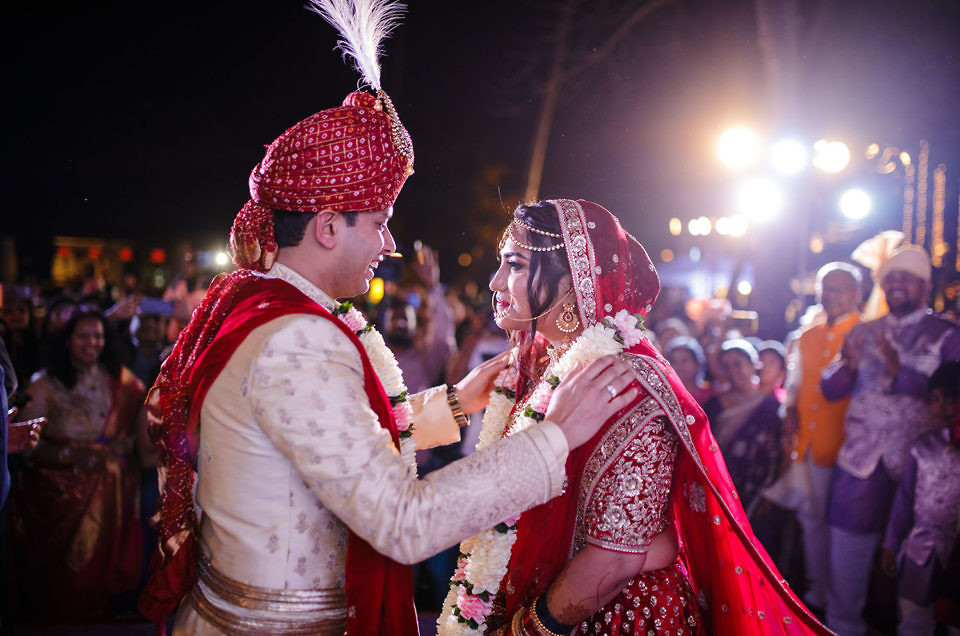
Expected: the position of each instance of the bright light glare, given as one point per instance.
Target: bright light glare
(705, 225)
(760, 199)
(222, 259)
(905, 158)
(789, 157)
(873, 150)
(375, 294)
(731, 226)
(831, 156)
(676, 226)
(816, 245)
(699, 226)
(738, 226)
(744, 287)
(855, 204)
(738, 148)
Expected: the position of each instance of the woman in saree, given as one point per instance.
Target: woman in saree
(649, 536)
(74, 506)
(745, 422)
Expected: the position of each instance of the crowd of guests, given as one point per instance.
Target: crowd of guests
(842, 441)
(844, 445)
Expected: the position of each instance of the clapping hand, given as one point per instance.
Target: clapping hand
(891, 359)
(852, 350)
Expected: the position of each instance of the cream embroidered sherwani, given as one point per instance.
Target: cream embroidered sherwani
(291, 455)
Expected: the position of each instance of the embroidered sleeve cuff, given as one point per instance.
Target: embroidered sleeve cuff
(433, 423)
(553, 447)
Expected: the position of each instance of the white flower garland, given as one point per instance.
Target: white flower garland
(391, 377)
(484, 557)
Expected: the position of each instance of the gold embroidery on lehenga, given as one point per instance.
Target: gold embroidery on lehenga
(626, 482)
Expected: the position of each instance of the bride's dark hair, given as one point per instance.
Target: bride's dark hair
(547, 270)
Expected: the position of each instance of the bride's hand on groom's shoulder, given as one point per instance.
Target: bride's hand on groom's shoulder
(474, 389)
(590, 396)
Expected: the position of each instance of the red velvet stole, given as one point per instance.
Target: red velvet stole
(743, 591)
(379, 590)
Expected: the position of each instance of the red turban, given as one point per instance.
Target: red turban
(353, 158)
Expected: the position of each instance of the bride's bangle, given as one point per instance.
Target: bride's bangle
(545, 621)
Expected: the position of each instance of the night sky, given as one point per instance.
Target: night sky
(144, 119)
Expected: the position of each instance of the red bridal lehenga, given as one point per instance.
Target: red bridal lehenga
(653, 466)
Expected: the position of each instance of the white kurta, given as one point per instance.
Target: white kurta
(291, 455)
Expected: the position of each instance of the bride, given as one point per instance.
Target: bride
(649, 536)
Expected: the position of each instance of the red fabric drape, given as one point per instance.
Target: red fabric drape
(379, 590)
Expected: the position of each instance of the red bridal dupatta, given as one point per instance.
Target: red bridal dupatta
(736, 584)
(379, 590)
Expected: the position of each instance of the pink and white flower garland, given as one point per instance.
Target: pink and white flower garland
(388, 370)
(484, 557)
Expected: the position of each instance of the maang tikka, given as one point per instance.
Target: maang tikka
(567, 321)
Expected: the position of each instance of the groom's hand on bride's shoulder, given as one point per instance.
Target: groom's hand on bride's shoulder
(590, 396)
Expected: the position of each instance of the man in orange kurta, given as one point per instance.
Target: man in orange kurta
(818, 422)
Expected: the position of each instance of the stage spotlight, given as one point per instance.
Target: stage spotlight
(760, 199)
(789, 157)
(738, 148)
(738, 226)
(831, 156)
(855, 204)
(816, 244)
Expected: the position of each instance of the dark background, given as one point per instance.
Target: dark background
(144, 119)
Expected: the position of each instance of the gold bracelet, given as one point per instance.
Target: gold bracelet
(517, 624)
(453, 401)
(536, 620)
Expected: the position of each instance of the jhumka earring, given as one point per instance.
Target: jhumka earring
(567, 321)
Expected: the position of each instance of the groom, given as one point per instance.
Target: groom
(308, 509)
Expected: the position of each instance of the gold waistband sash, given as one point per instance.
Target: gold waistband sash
(237, 608)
